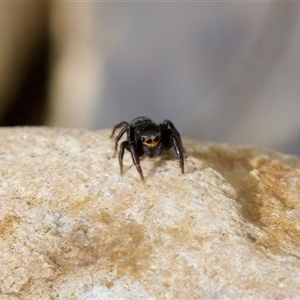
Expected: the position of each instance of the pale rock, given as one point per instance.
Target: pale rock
(71, 227)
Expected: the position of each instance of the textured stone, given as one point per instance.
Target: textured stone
(72, 228)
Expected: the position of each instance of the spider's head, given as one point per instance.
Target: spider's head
(151, 141)
(149, 136)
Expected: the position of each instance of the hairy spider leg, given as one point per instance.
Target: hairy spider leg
(125, 124)
(119, 136)
(178, 151)
(175, 140)
(132, 148)
(135, 157)
(170, 125)
(121, 154)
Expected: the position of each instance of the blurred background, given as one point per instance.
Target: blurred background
(221, 71)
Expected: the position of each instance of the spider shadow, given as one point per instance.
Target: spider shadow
(159, 162)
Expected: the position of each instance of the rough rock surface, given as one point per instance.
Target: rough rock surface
(72, 228)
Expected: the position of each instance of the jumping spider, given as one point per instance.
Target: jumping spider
(146, 137)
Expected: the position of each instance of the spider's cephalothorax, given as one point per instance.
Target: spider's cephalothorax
(146, 137)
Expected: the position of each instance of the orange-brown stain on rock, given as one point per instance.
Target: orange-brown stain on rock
(127, 249)
(182, 234)
(235, 167)
(266, 188)
(8, 223)
(278, 184)
(120, 246)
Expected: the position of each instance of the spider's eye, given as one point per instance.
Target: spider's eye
(151, 142)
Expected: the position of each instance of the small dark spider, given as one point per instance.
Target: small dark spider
(145, 137)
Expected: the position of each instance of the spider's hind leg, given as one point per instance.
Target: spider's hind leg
(125, 124)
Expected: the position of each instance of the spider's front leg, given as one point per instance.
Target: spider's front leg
(135, 157)
(121, 155)
(175, 141)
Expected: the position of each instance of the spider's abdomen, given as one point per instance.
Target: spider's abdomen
(140, 120)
